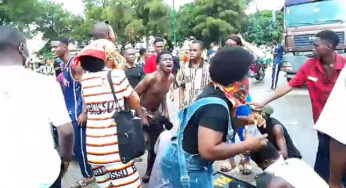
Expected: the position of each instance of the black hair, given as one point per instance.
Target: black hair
(158, 40)
(201, 44)
(10, 38)
(267, 152)
(230, 64)
(64, 40)
(160, 54)
(329, 36)
(236, 39)
(142, 51)
(91, 64)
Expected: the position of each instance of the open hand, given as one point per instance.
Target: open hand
(254, 105)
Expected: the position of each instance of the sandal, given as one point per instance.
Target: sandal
(228, 166)
(83, 183)
(245, 167)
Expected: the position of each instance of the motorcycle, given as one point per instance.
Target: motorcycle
(257, 71)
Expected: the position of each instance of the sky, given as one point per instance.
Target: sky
(76, 6)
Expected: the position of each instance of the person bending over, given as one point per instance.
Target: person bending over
(294, 171)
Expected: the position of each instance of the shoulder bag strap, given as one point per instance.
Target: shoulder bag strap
(185, 115)
(109, 77)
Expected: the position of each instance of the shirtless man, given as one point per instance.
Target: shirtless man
(152, 91)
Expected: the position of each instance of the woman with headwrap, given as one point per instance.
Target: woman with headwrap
(101, 135)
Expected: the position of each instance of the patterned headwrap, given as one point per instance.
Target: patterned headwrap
(235, 93)
(102, 49)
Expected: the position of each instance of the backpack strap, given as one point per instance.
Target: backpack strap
(185, 115)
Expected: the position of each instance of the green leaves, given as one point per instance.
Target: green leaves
(261, 28)
(132, 19)
(211, 20)
(134, 30)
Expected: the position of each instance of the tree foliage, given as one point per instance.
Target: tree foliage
(207, 20)
(211, 20)
(131, 19)
(261, 28)
(185, 22)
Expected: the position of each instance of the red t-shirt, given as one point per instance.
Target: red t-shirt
(318, 84)
(150, 65)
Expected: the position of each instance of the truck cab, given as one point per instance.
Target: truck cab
(303, 20)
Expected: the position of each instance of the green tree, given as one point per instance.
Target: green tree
(54, 21)
(185, 21)
(218, 18)
(211, 20)
(155, 16)
(134, 30)
(261, 28)
(120, 14)
(15, 13)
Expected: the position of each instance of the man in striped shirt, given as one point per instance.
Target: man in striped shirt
(153, 90)
(101, 135)
(194, 76)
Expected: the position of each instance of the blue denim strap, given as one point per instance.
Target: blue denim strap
(185, 115)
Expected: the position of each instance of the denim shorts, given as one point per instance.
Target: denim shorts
(199, 170)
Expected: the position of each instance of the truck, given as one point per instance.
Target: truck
(303, 19)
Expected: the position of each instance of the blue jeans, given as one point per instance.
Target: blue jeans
(199, 170)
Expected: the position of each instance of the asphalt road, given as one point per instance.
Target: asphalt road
(293, 110)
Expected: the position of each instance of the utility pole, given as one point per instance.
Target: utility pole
(174, 26)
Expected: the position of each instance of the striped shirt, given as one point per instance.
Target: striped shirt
(194, 80)
(102, 141)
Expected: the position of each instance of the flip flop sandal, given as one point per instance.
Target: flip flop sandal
(82, 183)
(245, 169)
(226, 167)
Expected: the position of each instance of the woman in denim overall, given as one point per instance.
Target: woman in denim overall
(183, 169)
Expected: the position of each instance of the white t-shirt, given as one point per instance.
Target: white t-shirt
(332, 120)
(29, 102)
(297, 173)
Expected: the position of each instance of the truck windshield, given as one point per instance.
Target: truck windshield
(322, 12)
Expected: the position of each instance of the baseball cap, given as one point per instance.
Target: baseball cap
(266, 109)
(93, 56)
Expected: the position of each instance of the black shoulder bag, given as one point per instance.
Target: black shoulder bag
(130, 134)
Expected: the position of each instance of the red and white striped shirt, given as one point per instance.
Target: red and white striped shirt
(102, 141)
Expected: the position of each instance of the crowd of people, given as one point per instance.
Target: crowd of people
(47, 121)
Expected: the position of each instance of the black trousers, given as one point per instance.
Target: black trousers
(322, 163)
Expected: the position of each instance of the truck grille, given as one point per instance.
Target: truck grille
(308, 40)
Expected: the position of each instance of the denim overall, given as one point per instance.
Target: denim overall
(182, 169)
